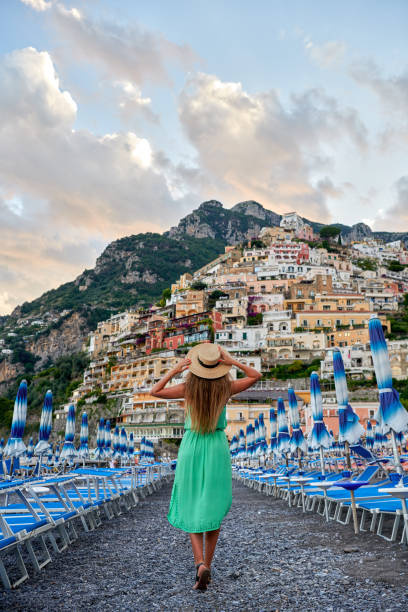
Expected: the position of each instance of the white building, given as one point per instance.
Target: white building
(248, 338)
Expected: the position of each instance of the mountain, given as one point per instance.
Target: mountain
(133, 270)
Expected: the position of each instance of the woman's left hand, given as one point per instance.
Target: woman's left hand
(225, 358)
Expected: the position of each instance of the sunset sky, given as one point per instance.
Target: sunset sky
(122, 117)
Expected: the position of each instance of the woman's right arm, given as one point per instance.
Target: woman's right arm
(175, 392)
(252, 375)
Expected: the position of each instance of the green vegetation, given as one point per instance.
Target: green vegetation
(399, 321)
(198, 286)
(402, 387)
(255, 319)
(62, 378)
(166, 294)
(297, 369)
(214, 296)
(395, 266)
(366, 264)
(330, 232)
(6, 412)
(163, 257)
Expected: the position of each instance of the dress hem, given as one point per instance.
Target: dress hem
(209, 527)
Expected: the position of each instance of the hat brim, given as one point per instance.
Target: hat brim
(196, 368)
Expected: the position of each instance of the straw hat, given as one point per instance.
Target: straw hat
(205, 361)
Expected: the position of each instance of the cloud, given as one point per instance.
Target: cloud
(252, 146)
(37, 5)
(123, 52)
(131, 102)
(65, 192)
(391, 91)
(328, 54)
(395, 218)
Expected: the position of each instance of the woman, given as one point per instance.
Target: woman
(202, 490)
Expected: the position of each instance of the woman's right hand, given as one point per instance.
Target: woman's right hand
(182, 365)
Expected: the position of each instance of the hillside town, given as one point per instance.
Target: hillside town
(285, 298)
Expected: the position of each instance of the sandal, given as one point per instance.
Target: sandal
(202, 580)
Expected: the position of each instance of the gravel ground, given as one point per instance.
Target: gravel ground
(268, 558)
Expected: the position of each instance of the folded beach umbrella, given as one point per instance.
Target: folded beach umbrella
(42, 446)
(380, 438)
(123, 442)
(350, 429)
(108, 439)
(233, 445)
(262, 434)
(116, 443)
(15, 446)
(241, 444)
(250, 440)
(30, 448)
(83, 437)
(100, 440)
(68, 450)
(1, 448)
(57, 453)
(369, 441)
(49, 457)
(131, 446)
(391, 413)
(274, 431)
(256, 433)
(247, 435)
(142, 448)
(283, 431)
(319, 437)
(297, 440)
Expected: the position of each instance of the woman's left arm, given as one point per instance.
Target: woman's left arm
(175, 392)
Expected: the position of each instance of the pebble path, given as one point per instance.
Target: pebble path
(268, 558)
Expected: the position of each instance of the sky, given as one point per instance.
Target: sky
(122, 117)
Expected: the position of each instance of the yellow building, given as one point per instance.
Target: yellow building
(189, 303)
(142, 371)
(182, 283)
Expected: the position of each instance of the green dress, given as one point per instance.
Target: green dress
(202, 489)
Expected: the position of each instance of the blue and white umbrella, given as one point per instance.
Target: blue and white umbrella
(262, 435)
(108, 439)
(116, 443)
(30, 448)
(247, 436)
(100, 440)
(319, 437)
(251, 441)
(283, 431)
(241, 444)
(274, 431)
(123, 442)
(42, 446)
(68, 450)
(393, 414)
(57, 453)
(369, 441)
(380, 438)
(49, 456)
(1, 448)
(233, 446)
(131, 446)
(297, 440)
(83, 437)
(15, 446)
(257, 441)
(350, 429)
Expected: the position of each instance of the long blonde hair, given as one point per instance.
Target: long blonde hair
(205, 399)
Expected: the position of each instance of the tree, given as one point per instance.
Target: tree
(198, 286)
(395, 266)
(214, 296)
(166, 294)
(330, 232)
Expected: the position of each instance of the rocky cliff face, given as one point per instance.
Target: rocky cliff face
(68, 338)
(359, 231)
(8, 373)
(232, 225)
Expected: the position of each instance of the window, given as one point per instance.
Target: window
(244, 335)
(326, 306)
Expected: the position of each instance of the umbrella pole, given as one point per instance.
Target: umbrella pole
(348, 460)
(300, 458)
(354, 511)
(322, 460)
(326, 509)
(397, 461)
